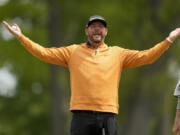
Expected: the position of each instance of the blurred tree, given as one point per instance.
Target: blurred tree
(27, 111)
(145, 93)
(59, 115)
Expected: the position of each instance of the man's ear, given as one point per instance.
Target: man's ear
(106, 31)
(86, 31)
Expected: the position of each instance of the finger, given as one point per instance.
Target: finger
(15, 25)
(175, 132)
(4, 22)
(7, 26)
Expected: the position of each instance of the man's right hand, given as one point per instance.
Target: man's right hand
(14, 29)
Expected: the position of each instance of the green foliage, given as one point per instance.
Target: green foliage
(135, 24)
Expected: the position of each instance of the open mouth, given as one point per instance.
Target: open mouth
(97, 36)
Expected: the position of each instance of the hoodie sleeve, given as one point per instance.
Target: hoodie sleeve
(177, 89)
(59, 56)
(134, 58)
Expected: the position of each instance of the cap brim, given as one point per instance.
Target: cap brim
(100, 20)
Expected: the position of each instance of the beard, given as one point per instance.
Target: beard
(96, 38)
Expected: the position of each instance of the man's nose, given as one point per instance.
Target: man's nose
(96, 28)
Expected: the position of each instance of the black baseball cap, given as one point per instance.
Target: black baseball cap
(96, 18)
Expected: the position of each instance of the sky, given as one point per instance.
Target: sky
(8, 82)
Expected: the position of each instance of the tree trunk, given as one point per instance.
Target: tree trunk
(137, 117)
(165, 119)
(58, 116)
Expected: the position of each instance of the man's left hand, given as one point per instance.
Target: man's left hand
(174, 34)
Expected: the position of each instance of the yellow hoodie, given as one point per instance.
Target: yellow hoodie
(94, 73)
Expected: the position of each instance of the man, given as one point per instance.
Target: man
(95, 71)
(176, 127)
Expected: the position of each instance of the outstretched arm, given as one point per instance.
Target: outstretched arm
(136, 58)
(58, 56)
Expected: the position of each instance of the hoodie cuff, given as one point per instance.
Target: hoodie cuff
(168, 39)
(178, 104)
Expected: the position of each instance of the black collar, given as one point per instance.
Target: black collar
(88, 44)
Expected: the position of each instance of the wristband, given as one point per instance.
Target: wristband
(178, 104)
(169, 40)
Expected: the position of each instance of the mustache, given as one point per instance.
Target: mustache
(97, 33)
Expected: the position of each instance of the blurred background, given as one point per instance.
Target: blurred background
(34, 96)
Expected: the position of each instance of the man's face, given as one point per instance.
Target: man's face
(96, 32)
